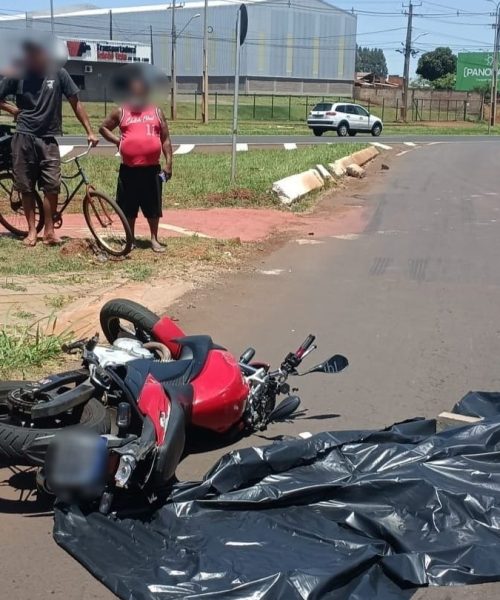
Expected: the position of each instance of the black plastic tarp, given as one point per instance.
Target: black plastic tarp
(356, 514)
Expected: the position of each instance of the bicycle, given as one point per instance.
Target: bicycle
(103, 216)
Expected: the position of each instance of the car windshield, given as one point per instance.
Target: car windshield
(322, 106)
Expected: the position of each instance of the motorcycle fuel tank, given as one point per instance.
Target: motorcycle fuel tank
(220, 393)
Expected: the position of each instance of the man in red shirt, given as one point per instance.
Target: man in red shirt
(143, 137)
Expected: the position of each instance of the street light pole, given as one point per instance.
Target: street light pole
(173, 70)
(236, 97)
(494, 78)
(204, 85)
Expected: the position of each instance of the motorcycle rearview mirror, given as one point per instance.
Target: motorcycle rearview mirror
(335, 364)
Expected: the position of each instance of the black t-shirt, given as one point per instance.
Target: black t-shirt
(40, 101)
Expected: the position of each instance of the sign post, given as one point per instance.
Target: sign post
(241, 34)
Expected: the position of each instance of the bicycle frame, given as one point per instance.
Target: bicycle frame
(84, 182)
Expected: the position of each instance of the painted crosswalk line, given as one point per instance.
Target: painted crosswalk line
(184, 149)
(183, 231)
(65, 150)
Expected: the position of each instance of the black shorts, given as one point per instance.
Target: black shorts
(36, 162)
(140, 187)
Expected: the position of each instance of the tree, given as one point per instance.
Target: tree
(437, 64)
(445, 83)
(371, 60)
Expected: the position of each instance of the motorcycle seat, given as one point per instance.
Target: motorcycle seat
(138, 371)
(194, 353)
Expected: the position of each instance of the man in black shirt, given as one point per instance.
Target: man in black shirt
(38, 96)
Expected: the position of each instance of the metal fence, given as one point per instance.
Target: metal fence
(295, 109)
(269, 107)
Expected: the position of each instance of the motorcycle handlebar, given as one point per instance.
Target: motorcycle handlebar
(304, 347)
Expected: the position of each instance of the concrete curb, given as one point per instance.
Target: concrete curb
(340, 167)
(294, 187)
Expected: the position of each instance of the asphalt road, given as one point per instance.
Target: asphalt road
(277, 140)
(413, 302)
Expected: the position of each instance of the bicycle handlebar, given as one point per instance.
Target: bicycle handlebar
(72, 159)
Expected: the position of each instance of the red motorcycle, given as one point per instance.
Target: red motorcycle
(164, 388)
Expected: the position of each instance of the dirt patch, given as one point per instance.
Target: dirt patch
(81, 248)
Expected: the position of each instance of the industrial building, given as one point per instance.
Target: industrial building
(292, 46)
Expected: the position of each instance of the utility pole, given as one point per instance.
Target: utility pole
(52, 16)
(204, 85)
(110, 24)
(173, 72)
(151, 44)
(494, 78)
(408, 53)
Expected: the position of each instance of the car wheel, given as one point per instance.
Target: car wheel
(318, 132)
(352, 133)
(343, 130)
(376, 129)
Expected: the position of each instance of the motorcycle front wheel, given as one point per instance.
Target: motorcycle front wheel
(15, 434)
(125, 318)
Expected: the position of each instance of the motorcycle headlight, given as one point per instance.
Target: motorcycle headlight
(125, 469)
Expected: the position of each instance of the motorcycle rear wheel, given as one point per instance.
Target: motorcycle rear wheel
(14, 437)
(125, 318)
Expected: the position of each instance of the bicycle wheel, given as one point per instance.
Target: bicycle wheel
(12, 215)
(107, 224)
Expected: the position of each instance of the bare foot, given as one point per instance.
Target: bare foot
(157, 247)
(51, 240)
(30, 241)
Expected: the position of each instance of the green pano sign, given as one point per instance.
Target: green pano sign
(474, 70)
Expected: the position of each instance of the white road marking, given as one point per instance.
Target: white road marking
(183, 231)
(411, 144)
(308, 242)
(272, 272)
(381, 146)
(241, 147)
(185, 149)
(434, 143)
(403, 153)
(347, 236)
(290, 146)
(64, 150)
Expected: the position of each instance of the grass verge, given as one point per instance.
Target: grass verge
(27, 347)
(73, 264)
(202, 180)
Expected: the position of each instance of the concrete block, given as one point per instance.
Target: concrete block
(355, 170)
(447, 420)
(294, 187)
(337, 168)
(364, 156)
(323, 171)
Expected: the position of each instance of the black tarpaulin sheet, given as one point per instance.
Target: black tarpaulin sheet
(358, 514)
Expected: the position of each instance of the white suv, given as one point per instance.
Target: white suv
(345, 119)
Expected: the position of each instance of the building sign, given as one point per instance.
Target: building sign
(474, 70)
(108, 51)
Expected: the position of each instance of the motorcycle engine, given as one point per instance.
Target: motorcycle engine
(121, 352)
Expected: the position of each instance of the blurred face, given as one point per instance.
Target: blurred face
(139, 93)
(36, 59)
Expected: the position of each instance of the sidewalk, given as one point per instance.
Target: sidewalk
(250, 225)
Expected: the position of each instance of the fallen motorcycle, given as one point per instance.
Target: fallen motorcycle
(162, 387)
